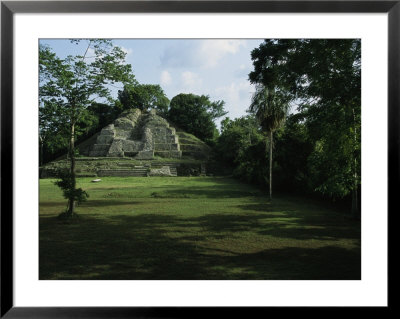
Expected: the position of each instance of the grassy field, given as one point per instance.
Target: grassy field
(193, 228)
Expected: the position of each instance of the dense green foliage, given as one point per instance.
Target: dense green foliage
(270, 108)
(241, 146)
(196, 114)
(293, 149)
(323, 77)
(66, 182)
(144, 97)
(102, 114)
(93, 119)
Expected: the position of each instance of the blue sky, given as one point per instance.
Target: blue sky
(215, 67)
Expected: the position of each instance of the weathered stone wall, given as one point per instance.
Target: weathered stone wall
(163, 171)
(164, 138)
(121, 167)
(137, 135)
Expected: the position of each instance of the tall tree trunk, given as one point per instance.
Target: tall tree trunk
(41, 150)
(270, 165)
(71, 202)
(354, 201)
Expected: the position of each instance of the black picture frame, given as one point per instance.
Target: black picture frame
(9, 8)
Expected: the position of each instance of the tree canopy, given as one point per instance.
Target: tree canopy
(196, 114)
(241, 147)
(144, 97)
(323, 77)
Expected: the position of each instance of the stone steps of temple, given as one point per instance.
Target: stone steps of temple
(127, 165)
(184, 140)
(170, 164)
(166, 147)
(99, 150)
(168, 154)
(173, 171)
(98, 147)
(124, 167)
(138, 130)
(102, 158)
(172, 167)
(141, 136)
(139, 172)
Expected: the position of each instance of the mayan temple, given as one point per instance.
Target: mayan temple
(137, 144)
(136, 135)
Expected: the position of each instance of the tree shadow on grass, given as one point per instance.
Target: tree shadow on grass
(295, 263)
(119, 247)
(223, 223)
(107, 202)
(303, 223)
(53, 203)
(141, 247)
(291, 225)
(219, 191)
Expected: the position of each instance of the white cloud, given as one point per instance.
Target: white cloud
(199, 53)
(212, 51)
(165, 78)
(191, 82)
(179, 54)
(127, 51)
(237, 97)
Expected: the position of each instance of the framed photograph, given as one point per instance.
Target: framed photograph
(180, 158)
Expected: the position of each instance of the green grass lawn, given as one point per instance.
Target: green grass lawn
(193, 228)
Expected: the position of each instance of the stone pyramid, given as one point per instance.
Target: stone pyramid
(138, 135)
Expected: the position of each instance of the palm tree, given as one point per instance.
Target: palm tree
(270, 107)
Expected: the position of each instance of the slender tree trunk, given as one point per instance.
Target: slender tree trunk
(270, 165)
(71, 202)
(41, 151)
(354, 201)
